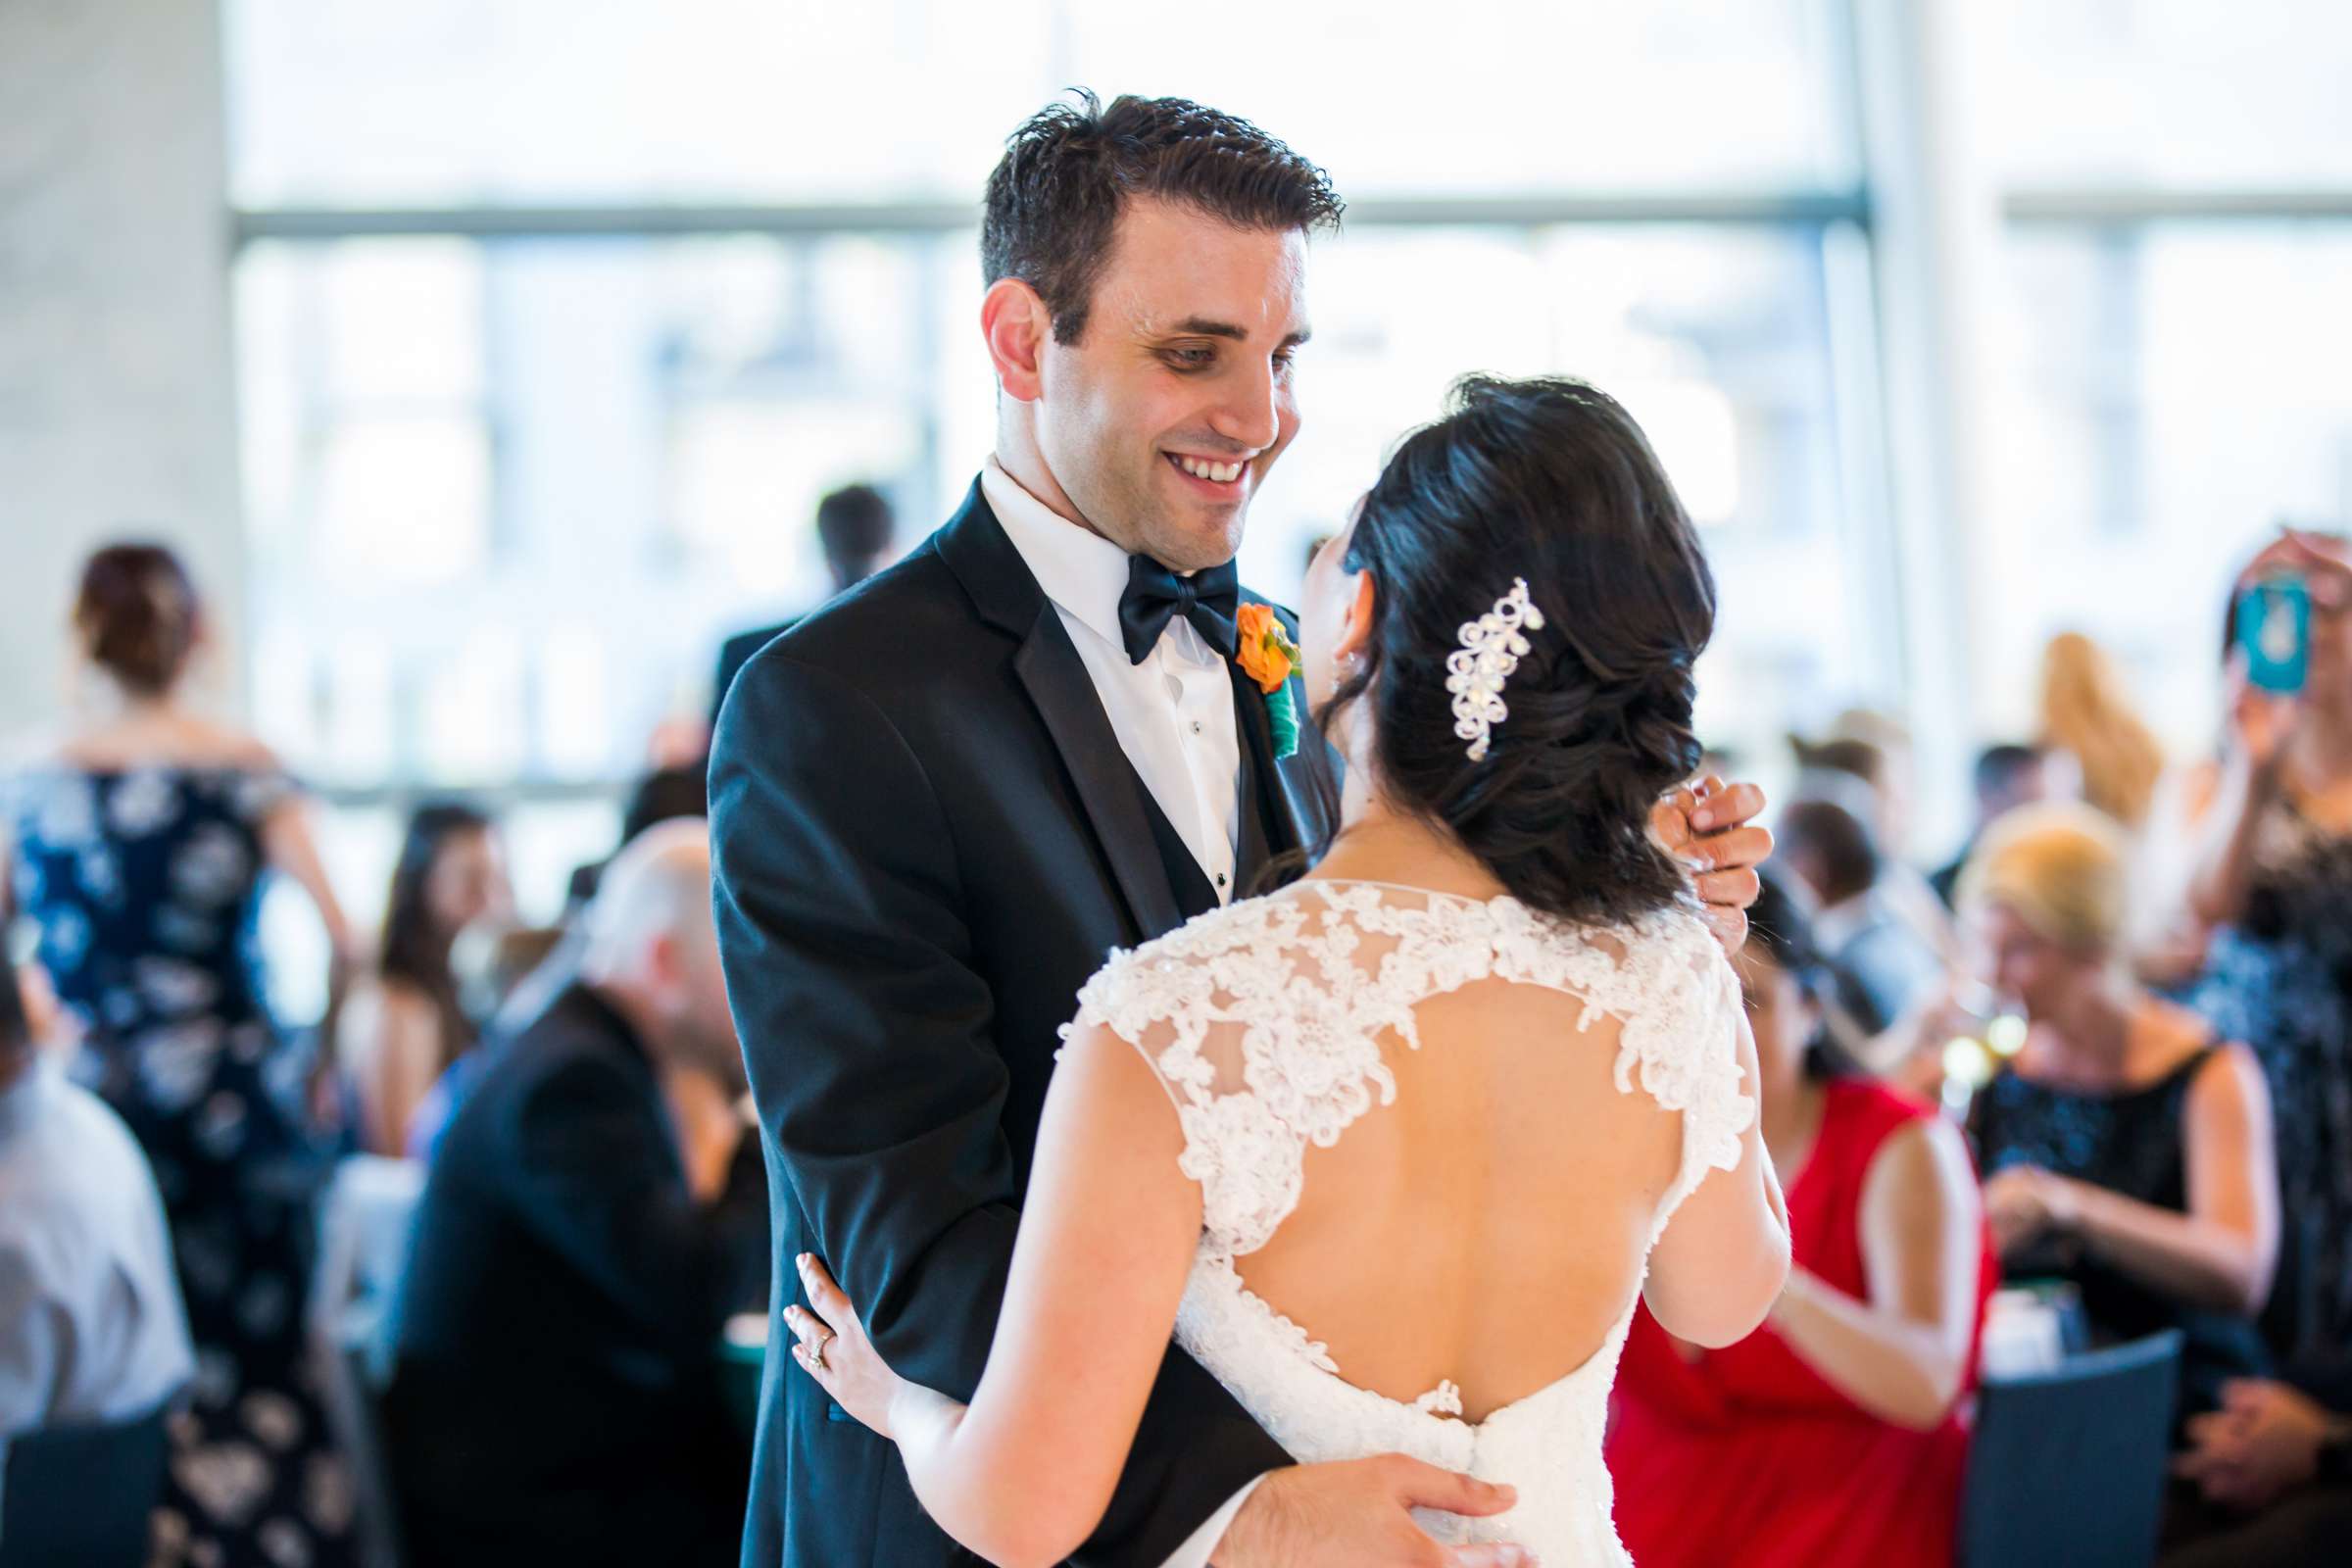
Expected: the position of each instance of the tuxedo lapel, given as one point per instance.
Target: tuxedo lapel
(1007, 595)
(1066, 700)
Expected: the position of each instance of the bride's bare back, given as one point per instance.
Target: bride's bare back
(1481, 1157)
(1488, 1228)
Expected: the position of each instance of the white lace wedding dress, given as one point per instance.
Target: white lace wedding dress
(1265, 1019)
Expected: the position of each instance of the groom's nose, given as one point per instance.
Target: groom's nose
(1249, 411)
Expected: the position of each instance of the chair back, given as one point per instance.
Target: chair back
(2068, 1466)
(82, 1495)
(363, 1231)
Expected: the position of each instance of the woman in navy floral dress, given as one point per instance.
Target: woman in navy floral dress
(140, 848)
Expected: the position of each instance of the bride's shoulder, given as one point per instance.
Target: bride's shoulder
(1222, 951)
(1665, 947)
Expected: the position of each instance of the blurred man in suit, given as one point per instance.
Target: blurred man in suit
(856, 527)
(593, 1216)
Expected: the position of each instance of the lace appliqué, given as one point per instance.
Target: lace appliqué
(1281, 977)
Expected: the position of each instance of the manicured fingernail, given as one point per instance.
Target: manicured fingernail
(1703, 818)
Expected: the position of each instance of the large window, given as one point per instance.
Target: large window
(555, 320)
(2174, 392)
(373, 102)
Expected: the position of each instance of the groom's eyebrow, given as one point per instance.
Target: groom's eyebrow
(1202, 326)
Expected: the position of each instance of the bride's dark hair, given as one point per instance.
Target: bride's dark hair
(1551, 481)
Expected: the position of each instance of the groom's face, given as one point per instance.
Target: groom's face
(1162, 420)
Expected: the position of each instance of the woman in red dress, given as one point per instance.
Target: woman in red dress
(1833, 1435)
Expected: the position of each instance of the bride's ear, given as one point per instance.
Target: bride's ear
(1015, 323)
(1355, 632)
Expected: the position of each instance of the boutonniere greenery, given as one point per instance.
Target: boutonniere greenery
(1268, 657)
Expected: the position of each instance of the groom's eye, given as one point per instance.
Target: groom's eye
(1190, 359)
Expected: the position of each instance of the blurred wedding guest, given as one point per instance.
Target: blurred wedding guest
(1892, 969)
(662, 795)
(141, 843)
(1884, 741)
(2271, 1479)
(1865, 764)
(1315, 548)
(2006, 777)
(856, 528)
(407, 1025)
(91, 1322)
(2088, 712)
(2272, 882)
(593, 1215)
(2126, 1148)
(1831, 1434)
(502, 973)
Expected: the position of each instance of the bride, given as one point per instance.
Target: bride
(1394, 1151)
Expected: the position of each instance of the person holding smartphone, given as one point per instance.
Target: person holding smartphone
(2271, 880)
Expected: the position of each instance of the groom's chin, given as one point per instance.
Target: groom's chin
(1194, 535)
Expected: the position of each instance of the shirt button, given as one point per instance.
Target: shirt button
(1195, 726)
(1220, 879)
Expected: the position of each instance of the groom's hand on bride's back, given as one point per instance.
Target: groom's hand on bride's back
(1357, 1514)
(1711, 828)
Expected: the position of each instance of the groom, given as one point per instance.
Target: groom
(938, 803)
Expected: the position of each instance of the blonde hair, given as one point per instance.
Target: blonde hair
(2061, 867)
(2086, 710)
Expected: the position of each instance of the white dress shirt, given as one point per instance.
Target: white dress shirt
(1173, 712)
(90, 1321)
(1173, 716)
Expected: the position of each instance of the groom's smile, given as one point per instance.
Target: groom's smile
(1222, 479)
(1160, 419)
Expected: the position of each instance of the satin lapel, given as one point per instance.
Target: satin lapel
(1007, 595)
(1108, 786)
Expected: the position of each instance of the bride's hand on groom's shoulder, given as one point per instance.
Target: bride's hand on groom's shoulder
(1712, 829)
(1357, 1514)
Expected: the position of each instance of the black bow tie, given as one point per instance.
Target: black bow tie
(1210, 599)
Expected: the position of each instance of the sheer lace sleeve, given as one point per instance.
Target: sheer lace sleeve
(1681, 1042)
(1266, 1038)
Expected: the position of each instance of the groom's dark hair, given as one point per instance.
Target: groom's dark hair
(1055, 198)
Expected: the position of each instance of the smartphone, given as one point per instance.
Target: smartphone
(2273, 628)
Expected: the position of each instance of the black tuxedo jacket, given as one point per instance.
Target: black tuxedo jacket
(556, 1396)
(926, 838)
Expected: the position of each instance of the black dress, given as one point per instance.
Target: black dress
(2129, 1143)
(2280, 980)
(144, 886)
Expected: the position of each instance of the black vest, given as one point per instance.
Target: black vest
(1255, 811)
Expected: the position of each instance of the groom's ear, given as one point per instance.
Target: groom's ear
(1015, 323)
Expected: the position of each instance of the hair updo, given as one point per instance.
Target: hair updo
(1551, 481)
(136, 615)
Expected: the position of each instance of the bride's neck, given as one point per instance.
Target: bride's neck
(1379, 843)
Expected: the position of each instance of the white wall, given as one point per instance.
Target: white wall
(115, 364)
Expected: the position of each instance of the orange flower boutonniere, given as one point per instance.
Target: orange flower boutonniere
(1268, 657)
